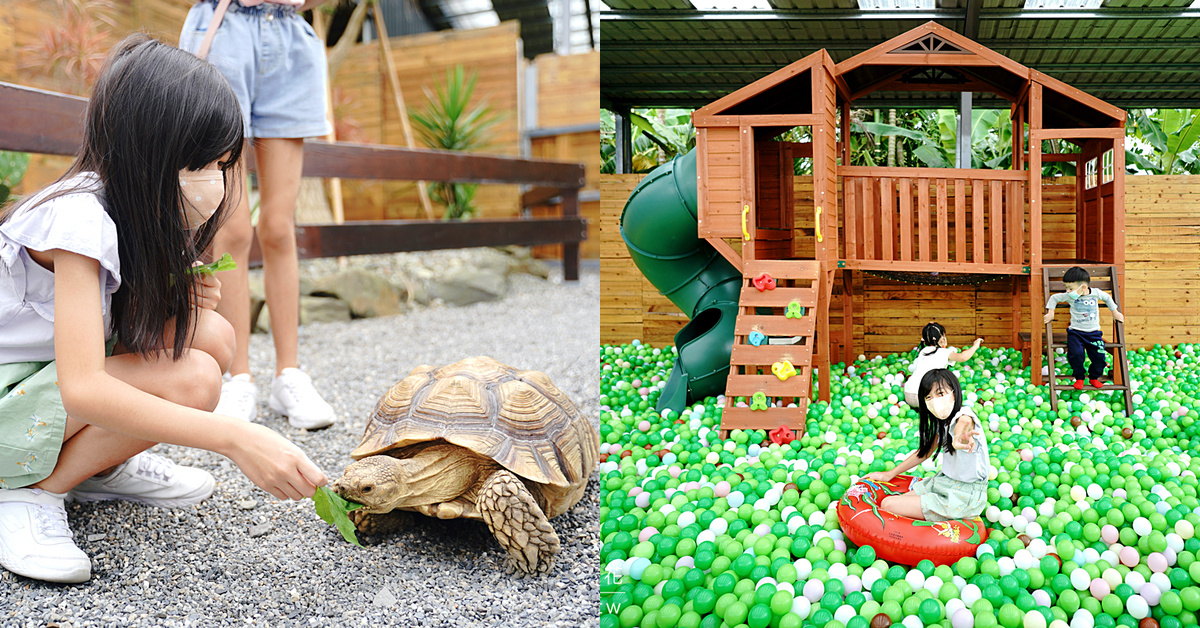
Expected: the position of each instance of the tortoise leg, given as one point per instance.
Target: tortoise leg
(519, 524)
(449, 510)
(380, 523)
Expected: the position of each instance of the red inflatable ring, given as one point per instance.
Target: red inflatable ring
(901, 539)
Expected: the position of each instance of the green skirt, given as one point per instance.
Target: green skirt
(32, 422)
(944, 498)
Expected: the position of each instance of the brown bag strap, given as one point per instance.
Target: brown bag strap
(218, 15)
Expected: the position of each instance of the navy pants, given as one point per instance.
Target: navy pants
(1091, 343)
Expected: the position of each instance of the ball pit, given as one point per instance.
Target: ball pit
(703, 531)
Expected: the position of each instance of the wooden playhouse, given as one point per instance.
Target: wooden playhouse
(937, 222)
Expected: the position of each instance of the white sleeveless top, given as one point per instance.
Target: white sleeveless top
(76, 222)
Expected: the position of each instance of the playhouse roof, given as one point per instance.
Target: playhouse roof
(929, 57)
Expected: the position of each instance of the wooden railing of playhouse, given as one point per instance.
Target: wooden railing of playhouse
(37, 121)
(934, 219)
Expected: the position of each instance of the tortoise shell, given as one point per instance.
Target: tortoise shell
(520, 419)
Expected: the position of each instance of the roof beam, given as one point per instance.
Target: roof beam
(724, 86)
(991, 15)
(695, 102)
(808, 46)
(971, 21)
(767, 68)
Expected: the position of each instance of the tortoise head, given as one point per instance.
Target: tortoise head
(377, 482)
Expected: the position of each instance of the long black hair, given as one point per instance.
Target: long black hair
(930, 335)
(934, 430)
(156, 110)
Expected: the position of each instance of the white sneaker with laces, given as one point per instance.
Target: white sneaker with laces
(239, 398)
(293, 395)
(148, 479)
(35, 540)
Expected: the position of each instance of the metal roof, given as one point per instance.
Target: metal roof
(664, 53)
(537, 19)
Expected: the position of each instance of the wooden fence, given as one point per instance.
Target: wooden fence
(1162, 274)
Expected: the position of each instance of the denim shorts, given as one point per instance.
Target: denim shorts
(273, 60)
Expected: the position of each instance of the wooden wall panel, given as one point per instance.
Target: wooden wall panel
(1162, 250)
(579, 147)
(568, 90)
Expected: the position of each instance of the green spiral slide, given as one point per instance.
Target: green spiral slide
(658, 225)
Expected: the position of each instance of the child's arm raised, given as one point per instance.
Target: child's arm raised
(963, 356)
(965, 433)
(92, 395)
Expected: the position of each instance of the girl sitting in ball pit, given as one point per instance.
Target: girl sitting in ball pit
(959, 490)
(935, 352)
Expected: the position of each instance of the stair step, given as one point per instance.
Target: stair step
(1088, 387)
(1060, 340)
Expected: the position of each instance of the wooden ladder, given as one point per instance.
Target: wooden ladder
(763, 316)
(1103, 278)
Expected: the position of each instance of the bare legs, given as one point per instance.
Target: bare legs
(194, 380)
(906, 505)
(280, 162)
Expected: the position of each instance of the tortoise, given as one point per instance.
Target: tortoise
(480, 440)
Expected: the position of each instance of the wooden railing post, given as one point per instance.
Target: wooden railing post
(570, 250)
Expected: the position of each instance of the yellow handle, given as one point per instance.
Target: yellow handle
(745, 233)
(820, 238)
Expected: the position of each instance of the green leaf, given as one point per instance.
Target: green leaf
(225, 263)
(334, 510)
(879, 128)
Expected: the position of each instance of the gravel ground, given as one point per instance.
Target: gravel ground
(229, 561)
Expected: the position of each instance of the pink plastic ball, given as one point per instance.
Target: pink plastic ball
(686, 561)
(646, 533)
(1110, 534)
(1129, 557)
(722, 489)
(635, 491)
(1152, 593)
(1157, 562)
(674, 471)
(644, 426)
(1026, 455)
(636, 383)
(1099, 588)
(962, 619)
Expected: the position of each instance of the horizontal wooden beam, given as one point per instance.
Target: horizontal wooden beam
(396, 236)
(933, 267)
(38, 121)
(932, 173)
(1068, 134)
(1068, 157)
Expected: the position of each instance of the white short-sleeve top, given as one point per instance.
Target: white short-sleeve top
(927, 361)
(75, 222)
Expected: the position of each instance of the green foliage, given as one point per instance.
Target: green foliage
(333, 510)
(658, 135)
(449, 122)
(225, 263)
(1164, 141)
(12, 170)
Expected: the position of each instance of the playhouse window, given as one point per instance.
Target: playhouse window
(1106, 167)
(1089, 174)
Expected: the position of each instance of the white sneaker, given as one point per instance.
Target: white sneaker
(148, 479)
(293, 395)
(35, 540)
(239, 398)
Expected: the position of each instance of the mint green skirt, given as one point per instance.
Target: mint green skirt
(32, 422)
(944, 498)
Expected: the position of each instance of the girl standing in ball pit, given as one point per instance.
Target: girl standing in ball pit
(935, 352)
(959, 490)
(108, 345)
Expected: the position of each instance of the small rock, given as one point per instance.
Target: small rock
(464, 286)
(259, 530)
(92, 538)
(385, 597)
(247, 504)
(368, 294)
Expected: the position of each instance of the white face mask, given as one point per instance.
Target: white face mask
(202, 191)
(941, 407)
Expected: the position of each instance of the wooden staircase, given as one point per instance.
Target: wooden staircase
(1103, 278)
(782, 320)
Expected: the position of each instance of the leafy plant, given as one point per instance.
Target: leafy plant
(334, 510)
(12, 170)
(657, 135)
(225, 263)
(449, 122)
(74, 47)
(1164, 141)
